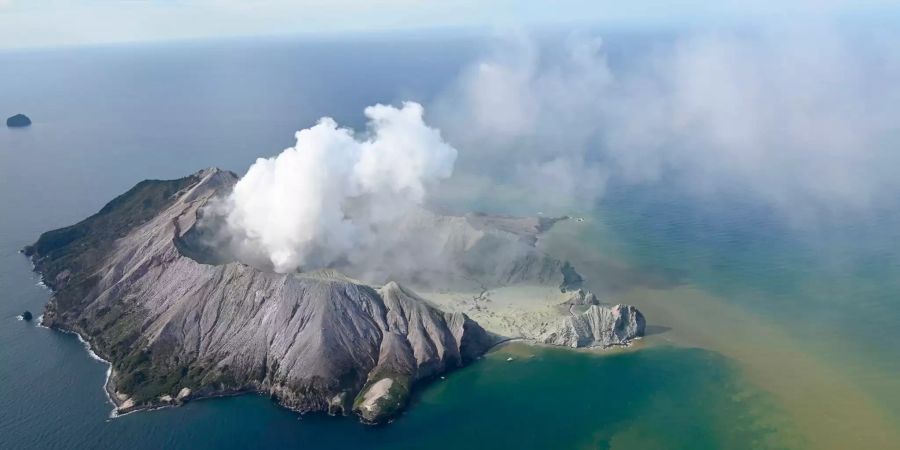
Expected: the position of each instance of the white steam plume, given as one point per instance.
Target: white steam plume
(326, 199)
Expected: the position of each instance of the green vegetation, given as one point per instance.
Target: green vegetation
(146, 378)
(389, 405)
(67, 257)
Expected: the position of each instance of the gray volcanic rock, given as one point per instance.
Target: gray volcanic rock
(581, 298)
(419, 342)
(597, 326)
(494, 250)
(431, 251)
(175, 328)
(18, 121)
(526, 228)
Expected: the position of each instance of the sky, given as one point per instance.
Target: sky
(51, 23)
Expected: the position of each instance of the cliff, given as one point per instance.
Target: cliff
(596, 326)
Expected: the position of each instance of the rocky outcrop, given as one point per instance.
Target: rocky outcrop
(18, 121)
(174, 328)
(26, 316)
(597, 326)
(581, 298)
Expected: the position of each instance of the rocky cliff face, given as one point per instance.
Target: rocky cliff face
(596, 326)
(174, 328)
(589, 323)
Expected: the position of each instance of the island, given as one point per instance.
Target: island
(18, 121)
(143, 284)
(26, 316)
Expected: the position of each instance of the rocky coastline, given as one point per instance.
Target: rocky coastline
(174, 329)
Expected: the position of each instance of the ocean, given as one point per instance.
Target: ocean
(760, 334)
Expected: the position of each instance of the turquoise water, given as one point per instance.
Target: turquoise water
(106, 118)
(833, 286)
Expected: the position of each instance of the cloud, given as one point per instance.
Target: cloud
(529, 119)
(334, 196)
(801, 118)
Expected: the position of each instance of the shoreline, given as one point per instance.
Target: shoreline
(633, 345)
(84, 342)
(115, 413)
(93, 355)
(523, 304)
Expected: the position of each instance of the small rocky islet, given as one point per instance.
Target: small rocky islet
(18, 121)
(177, 322)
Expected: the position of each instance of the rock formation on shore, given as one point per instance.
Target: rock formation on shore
(18, 121)
(590, 323)
(179, 318)
(596, 326)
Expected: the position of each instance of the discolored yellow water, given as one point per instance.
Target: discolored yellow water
(822, 403)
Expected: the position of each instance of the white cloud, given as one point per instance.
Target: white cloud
(802, 118)
(530, 117)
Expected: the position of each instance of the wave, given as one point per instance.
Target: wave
(87, 346)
